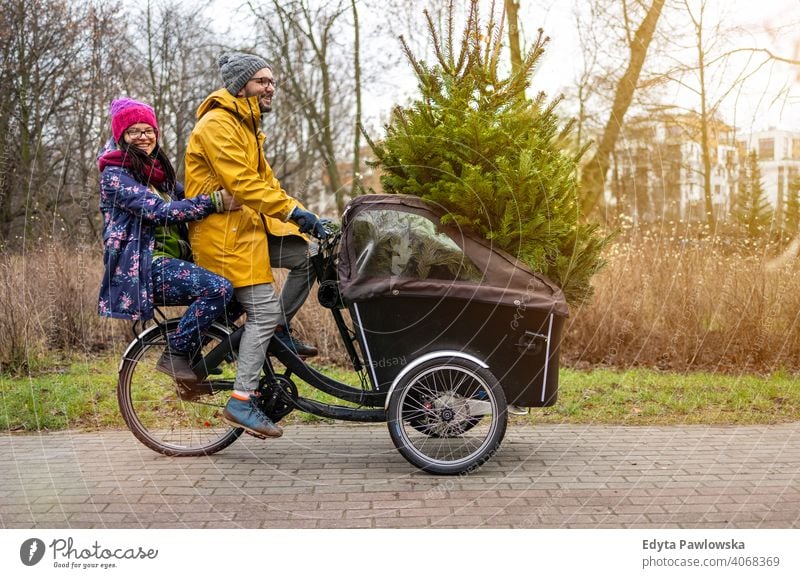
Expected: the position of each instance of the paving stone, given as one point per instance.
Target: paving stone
(350, 476)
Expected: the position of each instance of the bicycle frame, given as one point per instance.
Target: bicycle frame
(369, 400)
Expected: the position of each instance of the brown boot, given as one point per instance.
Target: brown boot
(192, 391)
(176, 365)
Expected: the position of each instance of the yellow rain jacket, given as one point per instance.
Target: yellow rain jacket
(225, 150)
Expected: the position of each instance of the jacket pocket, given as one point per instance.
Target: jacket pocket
(234, 228)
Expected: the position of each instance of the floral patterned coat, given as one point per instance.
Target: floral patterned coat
(131, 212)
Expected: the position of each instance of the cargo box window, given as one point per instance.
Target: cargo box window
(391, 243)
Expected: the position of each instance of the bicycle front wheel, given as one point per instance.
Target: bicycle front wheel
(447, 416)
(153, 408)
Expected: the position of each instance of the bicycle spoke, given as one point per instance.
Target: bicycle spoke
(152, 406)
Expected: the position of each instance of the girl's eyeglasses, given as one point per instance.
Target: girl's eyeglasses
(136, 132)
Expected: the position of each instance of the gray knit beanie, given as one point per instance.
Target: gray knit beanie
(237, 68)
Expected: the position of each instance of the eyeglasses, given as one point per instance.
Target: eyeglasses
(265, 81)
(137, 132)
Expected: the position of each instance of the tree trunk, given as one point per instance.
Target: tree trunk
(512, 11)
(594, 173)
(705, 145)
(7, 166)
(356, 185)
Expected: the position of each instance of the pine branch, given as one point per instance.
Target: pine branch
(410, 55)
(450, 54)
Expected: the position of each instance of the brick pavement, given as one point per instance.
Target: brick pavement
(350, 476)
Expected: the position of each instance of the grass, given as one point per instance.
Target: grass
(77, 395)
(80, 394)
(645, 396)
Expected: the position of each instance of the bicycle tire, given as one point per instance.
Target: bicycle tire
(153, 409)
(462, 402)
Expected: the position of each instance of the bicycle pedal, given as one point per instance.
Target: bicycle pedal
(255, 435)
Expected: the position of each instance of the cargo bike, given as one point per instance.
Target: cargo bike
(443, 332)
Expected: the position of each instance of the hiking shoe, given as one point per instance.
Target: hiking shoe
(177, 366)
(246, 414)
(294, 344)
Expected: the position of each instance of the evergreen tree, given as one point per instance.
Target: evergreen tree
(496, 161)
(792, 220)
(753, 210)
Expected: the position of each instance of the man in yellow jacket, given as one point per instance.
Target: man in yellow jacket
(225, 150)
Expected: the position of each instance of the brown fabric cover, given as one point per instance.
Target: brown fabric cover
(506, 280)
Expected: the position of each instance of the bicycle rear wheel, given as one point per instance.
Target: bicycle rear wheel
(155, 412)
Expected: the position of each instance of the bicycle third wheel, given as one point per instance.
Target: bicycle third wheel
(153, 409)
(447, 416)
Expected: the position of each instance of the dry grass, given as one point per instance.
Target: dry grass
(685, 304)
(48, 307)
(48, 304)
(663, 302)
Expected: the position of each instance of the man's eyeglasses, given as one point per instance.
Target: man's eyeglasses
(136, 132)
(265, 81)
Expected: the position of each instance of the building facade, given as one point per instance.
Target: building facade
(657, 171)
(779, 160)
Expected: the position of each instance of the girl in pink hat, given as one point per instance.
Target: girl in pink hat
(147, 257)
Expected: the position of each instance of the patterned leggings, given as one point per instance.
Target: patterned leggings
(177, 282)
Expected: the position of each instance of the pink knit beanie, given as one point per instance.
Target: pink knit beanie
(126, 112)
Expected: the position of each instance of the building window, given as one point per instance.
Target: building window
(796, 149)
(766, 149)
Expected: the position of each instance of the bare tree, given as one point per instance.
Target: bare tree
(314, 71)
(719, 69)
(84, 125)
(356, 184)
(9, 131)
(40, 46)
(605, 33)
(588, 79)
(594, 171)
(175, 67)
(51, 73)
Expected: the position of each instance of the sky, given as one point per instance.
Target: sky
(770, 98)
(560, 64)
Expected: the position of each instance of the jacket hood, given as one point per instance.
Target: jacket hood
(244, 109)
(110, 145)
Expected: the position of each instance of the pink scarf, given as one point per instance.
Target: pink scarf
(154, 173)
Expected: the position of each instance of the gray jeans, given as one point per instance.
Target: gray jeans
(291, 252)
(263, 315)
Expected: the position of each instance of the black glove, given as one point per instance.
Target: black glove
(308, 223)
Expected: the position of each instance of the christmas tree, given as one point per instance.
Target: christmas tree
(753, 210)
(496, 161)
(791, 224)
